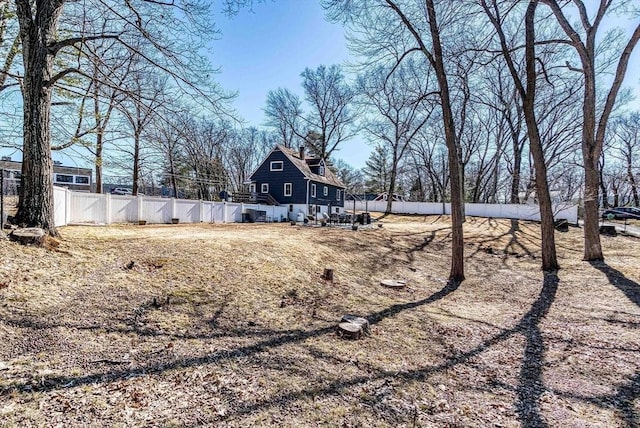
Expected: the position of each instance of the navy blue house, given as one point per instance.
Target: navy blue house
(302, 182)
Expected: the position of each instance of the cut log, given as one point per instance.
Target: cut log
(327, 274)
(393, 283)
(29, 236)
(353, 327)
(349, 330)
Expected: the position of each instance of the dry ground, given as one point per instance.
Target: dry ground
(247, 338)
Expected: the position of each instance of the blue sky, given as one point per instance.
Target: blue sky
(268, 47)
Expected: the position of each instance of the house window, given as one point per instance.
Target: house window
(61, 178)
(337, 210)
(288, 189)
(277, 166)
(82, 179)
(264, 188)
(317, 208)
(337, 194)
(313, 190)
(325, 191)
(252, 188)
(290, 208)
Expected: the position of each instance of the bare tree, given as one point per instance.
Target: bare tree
(242, 153)
(527, 92)
(53, 28)
(627, 134)
(331, 116)
(399, 102)
(329, 120)
(146, 93)
(283, 112)
(393, 32)
(595, 118)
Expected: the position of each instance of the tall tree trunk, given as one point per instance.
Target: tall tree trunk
(517, 170)
(603, 189)
(549, 258)
(98, 159)
(590, 157)
(632, 181)
(136, 162)
(35, 207)
(528, 95)
(457, 210)
(392, 181)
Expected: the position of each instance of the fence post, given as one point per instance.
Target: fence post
(200, 211)
(224, 212)
(107, 217)
(140, 201)
(173, 208)
(67, 206)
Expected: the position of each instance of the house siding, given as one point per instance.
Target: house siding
(330, 199)
(277, 179)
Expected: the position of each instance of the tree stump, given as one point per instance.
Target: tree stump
(327, 274)
(353, 327)
(608, 230)
(29, 236)
(393, 283)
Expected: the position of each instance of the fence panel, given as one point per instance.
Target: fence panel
(234, 212)
(187, 211)
(514, 211)
(124, 209)
(87, 208)
(60, 206)
(80, 207)
(156, 210)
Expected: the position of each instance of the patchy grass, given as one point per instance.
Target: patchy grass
(232, 325)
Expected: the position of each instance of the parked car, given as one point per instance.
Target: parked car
(121, 191)
(621, 213)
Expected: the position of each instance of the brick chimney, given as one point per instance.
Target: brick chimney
(301, 152)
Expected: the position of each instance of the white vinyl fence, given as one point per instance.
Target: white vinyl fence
(80, 207)
(515, 211)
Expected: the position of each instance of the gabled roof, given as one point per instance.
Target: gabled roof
(304, 166)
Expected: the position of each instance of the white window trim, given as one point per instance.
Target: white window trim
(264, 188)
(337, 194)
(313, 190)
(290, 189)
(325, 191)
(273, 163)
(252, 188)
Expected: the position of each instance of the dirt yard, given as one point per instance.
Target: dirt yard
(232, 325)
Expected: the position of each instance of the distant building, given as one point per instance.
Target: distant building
(304, 183)
(71, 177)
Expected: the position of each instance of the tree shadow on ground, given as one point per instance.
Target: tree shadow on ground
(514, 242)
(630, 288)
(622, 400)
(280, 338)
(530, 384)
